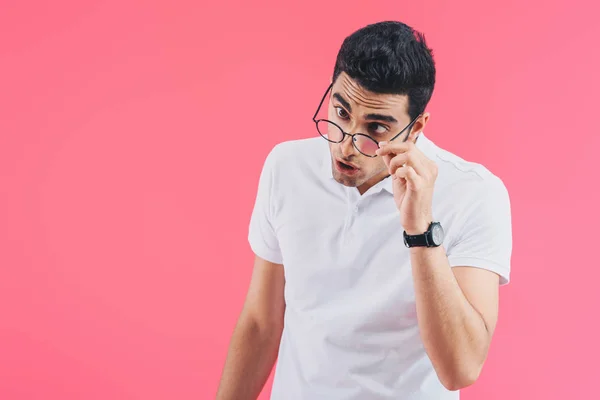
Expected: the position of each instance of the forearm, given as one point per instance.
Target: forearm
(453, 332)
(250, 359)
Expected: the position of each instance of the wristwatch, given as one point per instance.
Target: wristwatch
(433, 237)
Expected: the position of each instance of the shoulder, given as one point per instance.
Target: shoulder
(292, 169)
(295, 149)
(286, 158)
(464, 181)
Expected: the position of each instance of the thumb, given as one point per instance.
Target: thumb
(386, 158)
(399, 186)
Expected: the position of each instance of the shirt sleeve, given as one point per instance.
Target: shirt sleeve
(261, 236)
(484, 239)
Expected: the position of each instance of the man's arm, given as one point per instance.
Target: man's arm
(456, 292)
(457, 310)
(255, 341)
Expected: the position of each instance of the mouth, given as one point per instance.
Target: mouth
(345, 168)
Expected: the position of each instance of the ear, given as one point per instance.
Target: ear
(418, 126)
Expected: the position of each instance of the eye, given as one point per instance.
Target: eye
(340, 112)
(377, 129)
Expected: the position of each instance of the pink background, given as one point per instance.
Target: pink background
(131, 139)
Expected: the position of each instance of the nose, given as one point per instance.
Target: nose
(347, 147)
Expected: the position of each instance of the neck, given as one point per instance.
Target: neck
(362, 189)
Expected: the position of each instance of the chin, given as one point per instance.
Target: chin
(347, 180)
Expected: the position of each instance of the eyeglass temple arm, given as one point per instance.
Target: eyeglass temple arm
(407, 127)
(321, 103)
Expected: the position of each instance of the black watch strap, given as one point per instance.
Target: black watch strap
(415, 240)
(432, 237)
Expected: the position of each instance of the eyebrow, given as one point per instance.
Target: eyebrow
(381, 117)
(369, 117)
(343, 101)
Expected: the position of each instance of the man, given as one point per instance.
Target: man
(379, 256)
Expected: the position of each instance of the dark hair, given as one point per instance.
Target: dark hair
(389, 57)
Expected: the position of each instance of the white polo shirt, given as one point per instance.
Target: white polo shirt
(350, 329)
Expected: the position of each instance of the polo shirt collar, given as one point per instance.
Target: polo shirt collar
(423, 144)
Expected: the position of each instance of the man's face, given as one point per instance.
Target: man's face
(380, 116)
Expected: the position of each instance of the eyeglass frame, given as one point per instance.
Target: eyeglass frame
(352, 135)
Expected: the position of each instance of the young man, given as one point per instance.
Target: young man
(378, 254)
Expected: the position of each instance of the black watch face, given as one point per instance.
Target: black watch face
(437, 234)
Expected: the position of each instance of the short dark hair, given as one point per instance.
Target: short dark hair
(389, 57)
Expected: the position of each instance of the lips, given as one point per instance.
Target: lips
(345, 167)
(344, 162)
(347, 163)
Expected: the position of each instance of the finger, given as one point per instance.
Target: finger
(397, 162)
(416, 160)
(413, 156)
(386, 148)
(386, 158)
(408, 173)
(423, 166)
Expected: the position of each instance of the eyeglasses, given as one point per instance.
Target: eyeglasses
(365, 144)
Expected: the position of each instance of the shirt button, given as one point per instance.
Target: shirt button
(356, 210)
